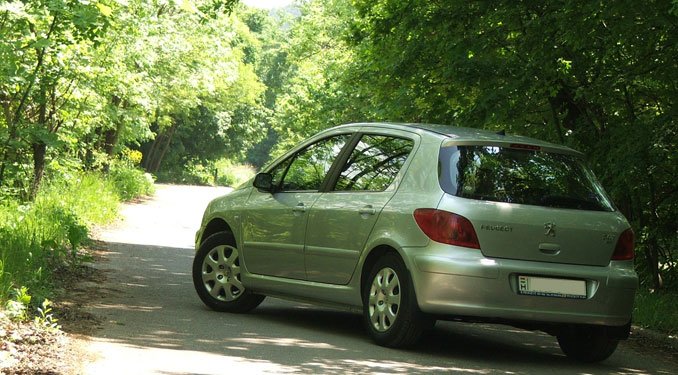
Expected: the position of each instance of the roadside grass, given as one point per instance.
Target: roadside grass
(657, 310)
(38, 237)
(39, 243)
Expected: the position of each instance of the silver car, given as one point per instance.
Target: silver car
(409, 223)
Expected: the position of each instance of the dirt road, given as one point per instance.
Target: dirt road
(153, 322)
(147, 292)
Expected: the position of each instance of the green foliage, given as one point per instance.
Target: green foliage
(223, 172)
(88, 80)
(657, 310)
(212, 99)
(44, 318)
(130, 182)
(16, 308)
(229, 174)
(320, 88)
(37, 237)
(190, 174)
(89, 197)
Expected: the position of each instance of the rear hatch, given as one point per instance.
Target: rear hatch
(529, 203)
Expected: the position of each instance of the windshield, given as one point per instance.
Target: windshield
(502, 174)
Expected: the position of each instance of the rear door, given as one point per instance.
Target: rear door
(341, 220)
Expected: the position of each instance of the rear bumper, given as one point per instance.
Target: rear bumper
(451, 281)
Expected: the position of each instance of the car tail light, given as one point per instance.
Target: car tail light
(446, 227)
(624, 248)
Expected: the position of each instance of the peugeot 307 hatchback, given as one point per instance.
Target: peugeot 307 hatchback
(409, 223)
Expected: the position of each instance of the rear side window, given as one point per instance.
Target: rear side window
(502, 174)
(374, 163)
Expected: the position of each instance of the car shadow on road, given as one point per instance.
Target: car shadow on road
(447, 340)
(153, 308)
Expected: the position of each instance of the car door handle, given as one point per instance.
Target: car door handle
(299, 208)
(367, 210)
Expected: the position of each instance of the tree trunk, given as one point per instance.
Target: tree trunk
(11, 137)
(39, 147)
(164, 143)
(556, 122)
(149, 157)
(112, 135)
(652, 245)
(39, 152)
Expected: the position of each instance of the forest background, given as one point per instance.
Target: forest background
(100, 97)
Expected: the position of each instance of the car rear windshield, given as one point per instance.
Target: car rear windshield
(504, 174)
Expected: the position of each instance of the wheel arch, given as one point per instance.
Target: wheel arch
(371, 260)
(215, 225)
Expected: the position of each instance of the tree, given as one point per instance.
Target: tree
(320, 83)
(211, 74)
(45, 46)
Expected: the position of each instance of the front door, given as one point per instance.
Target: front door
(275, 224)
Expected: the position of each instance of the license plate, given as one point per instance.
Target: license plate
(550, 287)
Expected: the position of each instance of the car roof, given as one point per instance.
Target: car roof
(458, 134)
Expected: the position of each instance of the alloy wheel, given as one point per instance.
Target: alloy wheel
(384, 299)
(221, 273)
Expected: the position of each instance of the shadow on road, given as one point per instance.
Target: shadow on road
(149, 309)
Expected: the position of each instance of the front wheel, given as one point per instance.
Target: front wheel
(216, 276)
(390, 311)
(587, 344)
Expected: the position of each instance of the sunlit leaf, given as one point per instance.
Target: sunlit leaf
(105, 9)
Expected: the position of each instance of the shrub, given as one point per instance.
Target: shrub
(191, 174)
(130, 182)
(229, 174)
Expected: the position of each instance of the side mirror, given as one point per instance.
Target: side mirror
(264, 182)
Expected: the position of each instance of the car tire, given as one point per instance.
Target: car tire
(586, 343)
(216, 276)
(390, 311)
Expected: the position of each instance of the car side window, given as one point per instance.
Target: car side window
(308, 168)
(374, 163)
(278, 172)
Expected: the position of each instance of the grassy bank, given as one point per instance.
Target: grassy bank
(657, 311)
(39, 237)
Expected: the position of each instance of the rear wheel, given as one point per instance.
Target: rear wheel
(216, 276)
(390, 311)
(587, 344)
